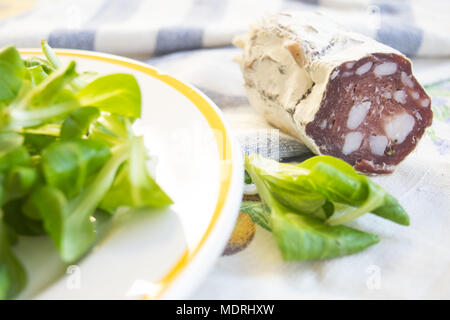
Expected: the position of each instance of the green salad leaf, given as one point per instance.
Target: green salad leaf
(31, 62)
(69, 157)
(12, 73)
(69, 222)
(120, 95)
(15, 216)
(17, 156)
(9, 141)
(67, 165)
(309, 202)
(302, 237)
(12, 274)
(133, 183)
(77, 124)
(18, 181)
(49, 101)
(37, 75)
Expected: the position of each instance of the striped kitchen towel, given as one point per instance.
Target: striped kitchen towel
(177, 36)
(141, 28)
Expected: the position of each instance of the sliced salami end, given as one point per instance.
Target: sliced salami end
(375, 113)
(339, 92)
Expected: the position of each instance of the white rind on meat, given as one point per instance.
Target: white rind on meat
(289, 59)
(290, 56)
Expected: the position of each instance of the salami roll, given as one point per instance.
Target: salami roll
(339, 92)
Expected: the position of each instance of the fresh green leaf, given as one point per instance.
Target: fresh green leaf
(35, 143)
(111, 129)
(309, 200)
(18, 182)
(302, 237)
(306, 188)
(133, 186)
(48, 204)
(115, 93)
(12, 274)
(69, 222)
(9, 141)
(31, 62)
(68, 164)
(392, 210)
(49, 101)
(83, 79)
(50, 88)
(18, 156)
(247, 179)
(37, 75)
(366, 196)
(67, 149)
(77, 123)
(12, 72)
(21, 223)
(50, 55)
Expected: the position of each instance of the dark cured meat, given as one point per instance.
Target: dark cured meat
(329, 127)
(339, 92)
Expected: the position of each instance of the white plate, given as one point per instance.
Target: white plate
(148, 254)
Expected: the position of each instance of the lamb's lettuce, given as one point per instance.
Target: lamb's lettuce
(47, 102)
(133, 183)
(37, 75)
(115, 93)
(302, 237)
(67, 165)
(9, 141)
(77, 124)
(12, 73)
(69, 221)
(68, 157)
(12, 274)
(309, 201)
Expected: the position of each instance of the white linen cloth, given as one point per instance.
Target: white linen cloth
(409, 262)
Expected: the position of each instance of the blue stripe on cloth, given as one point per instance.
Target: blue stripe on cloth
(172, 39)
(391, 7)
(397, 27)
(116, 11)
(310, 2)
(72, 39)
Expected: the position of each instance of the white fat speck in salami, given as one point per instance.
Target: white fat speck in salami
(385, 69)
(334, 74)
(364, 68)
(378, 144)
(341, 93)
(415, 95)
(400, 96)
(418, 116)
(352, 142)
(406, 80)
(357, 114)
(398, 127)
(349, 65)
(425, 103)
